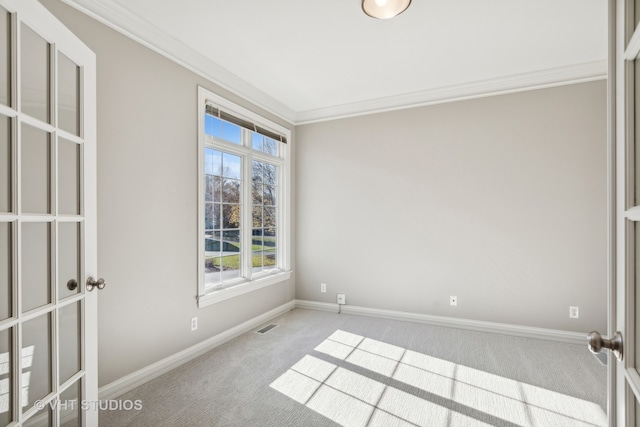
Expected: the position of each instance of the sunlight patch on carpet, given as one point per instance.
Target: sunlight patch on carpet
(355, 400)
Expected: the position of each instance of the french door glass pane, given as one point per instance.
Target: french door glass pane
(36, 265)
(35, 82)
(36, 170)
(70, 406)
(68, 259)
(6, 168)
(35, 358)
(68, 177)
(40, 418)
(6, 260)
(68, 95)
(6, 413)
(69, 330)
(5, 57)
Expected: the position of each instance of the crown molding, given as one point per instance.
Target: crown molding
(131, 25)
(509, 84)
(122, 20)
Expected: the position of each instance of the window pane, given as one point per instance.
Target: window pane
(232, 238)
(257, 262)
(231, 191)
(269, 239)
(270, 259)
(212, 162)
(231, 132)
(257, 216)
(211, 272)
(256, 172)
(271, 146)
(212, 216)
(269, 195)
(257, 247)
(221, 129)
(269, 217)
(208, 188)
(212, 245)
(230, 216)
(270, 174)
(212, 126)
(230, 267)
(231, 166)
(256, 141)
(256, 193)
(264, 144)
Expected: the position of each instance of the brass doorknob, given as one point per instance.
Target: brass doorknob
(92, 283)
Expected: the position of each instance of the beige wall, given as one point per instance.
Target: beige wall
(147, 205)
(500, 201)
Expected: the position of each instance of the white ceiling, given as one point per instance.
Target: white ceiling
(314, 60)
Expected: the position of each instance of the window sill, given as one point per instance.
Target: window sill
(242, 288)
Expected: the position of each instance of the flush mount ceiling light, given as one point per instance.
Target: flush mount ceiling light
(384, 9)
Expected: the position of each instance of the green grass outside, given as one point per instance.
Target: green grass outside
(233, 261)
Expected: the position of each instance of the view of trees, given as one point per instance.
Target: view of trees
(223, 211)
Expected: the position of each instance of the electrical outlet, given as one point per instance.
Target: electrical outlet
(574, 312)
(323, 287)
(453, 300)
(342, 299)
(194, 323)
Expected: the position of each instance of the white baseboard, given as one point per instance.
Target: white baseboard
(137, 378)
(452, 322)
(315, 305)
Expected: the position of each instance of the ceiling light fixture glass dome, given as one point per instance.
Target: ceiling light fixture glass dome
(384, 9)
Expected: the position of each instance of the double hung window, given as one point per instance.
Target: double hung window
(243, 200)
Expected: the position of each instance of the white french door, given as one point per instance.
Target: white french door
(48, 317)
(625, 126)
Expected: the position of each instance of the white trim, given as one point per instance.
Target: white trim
(573, 74)
(241, 289)
(318, 306)
(122, 20)
(146, 374)
(451, 322)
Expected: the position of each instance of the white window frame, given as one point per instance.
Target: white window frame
(247, 284)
